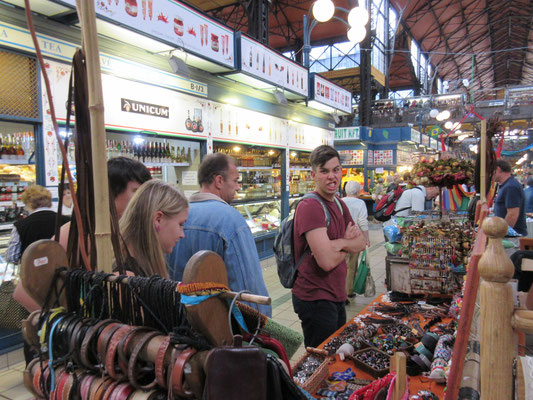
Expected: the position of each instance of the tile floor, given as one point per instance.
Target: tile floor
(12, 364)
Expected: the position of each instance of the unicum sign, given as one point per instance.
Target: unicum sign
(138, 107)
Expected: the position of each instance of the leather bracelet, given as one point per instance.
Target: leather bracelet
(111, 351)
(133, 361)
(64, 385)
(60, 334)
(103, 341)
(29, 372)
(87, 343)
(109, 390)
(123, 349)
(416, 358)
(161, 360)
(101, 388)
(74, 345)
(68, 387)
(59, 383)
(122, 391)
(37, 380)
(85, 386)
(177, 373)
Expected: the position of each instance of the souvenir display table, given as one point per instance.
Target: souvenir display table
(341, 368)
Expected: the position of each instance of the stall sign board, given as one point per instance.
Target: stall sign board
(260, 61)
(434, 144)
(171, 22)
(347, 134)
(415, 136)
(383, 157)
(379, 170)
(352, 157)
(425, 140)
(330, 94)
(20, 38)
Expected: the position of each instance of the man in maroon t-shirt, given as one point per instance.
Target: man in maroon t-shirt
(319, 293)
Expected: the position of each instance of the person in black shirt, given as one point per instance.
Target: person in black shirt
(40, 224)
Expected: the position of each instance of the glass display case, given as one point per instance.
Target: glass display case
(300, 179)
(17, 171)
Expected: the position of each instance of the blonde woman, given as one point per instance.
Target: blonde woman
(151, 226)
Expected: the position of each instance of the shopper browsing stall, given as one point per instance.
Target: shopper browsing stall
(414, 199)
(214, 225)
(162, 211)
(510, 202)
(319, 291)
(359, 214)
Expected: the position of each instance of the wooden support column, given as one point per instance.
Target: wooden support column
(496, 303)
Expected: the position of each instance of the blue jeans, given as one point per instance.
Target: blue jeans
(320, 318)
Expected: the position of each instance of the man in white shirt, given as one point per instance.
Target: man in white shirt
(414, 200)
(359, 214)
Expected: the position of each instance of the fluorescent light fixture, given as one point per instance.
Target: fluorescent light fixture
(280, 97)
(462, 137)
(336, 117)
(179, 67)
(231, 100)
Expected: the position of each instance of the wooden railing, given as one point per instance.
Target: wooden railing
(498, 315)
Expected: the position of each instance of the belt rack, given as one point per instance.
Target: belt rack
(178, 368)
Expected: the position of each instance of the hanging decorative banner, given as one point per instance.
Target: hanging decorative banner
(171, 22)
(260, 61)
(328, 93)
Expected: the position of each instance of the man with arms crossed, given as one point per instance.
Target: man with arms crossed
(319, 292)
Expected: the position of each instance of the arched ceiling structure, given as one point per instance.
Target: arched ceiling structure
(491, 38)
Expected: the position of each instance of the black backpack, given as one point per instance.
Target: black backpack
(284, 245)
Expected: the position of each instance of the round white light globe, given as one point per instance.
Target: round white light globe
(446, 114)
(323, 10)
(448, 125)
(358, 16)
(433, 113)
(356, 34)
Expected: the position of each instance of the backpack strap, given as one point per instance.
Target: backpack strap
(324, 207)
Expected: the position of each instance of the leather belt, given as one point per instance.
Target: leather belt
(123, 349)
(103, 341)
(87, 342)
(162, 355)
(133, 361)
(111, 352)
(177, 373)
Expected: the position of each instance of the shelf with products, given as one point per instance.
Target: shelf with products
(300, 180)
(259, 172)
(173, 160)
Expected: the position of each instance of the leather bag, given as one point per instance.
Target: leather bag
(236, 372)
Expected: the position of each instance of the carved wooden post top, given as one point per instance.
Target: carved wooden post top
(495, 265)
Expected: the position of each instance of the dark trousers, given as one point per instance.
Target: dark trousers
(320, 318)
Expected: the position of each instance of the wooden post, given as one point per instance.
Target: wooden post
(483, 168)
(398, 364)
(496, 304)
(104, 254)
